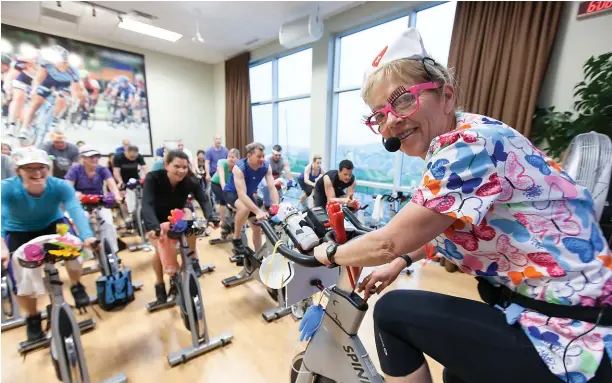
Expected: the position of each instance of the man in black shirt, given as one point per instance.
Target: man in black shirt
(336, 185)
(165, 190)
(126, 165)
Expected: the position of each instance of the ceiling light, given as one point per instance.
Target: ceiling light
(149, 30)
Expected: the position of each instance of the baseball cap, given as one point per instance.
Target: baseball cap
(88, 151)
(408, 45)
(30, 155)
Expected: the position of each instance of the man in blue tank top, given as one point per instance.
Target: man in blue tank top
(241, 188)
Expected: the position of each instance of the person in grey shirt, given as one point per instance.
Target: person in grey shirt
(65, 154)
(7, 167)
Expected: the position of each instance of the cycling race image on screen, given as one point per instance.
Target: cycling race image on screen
(83, 91)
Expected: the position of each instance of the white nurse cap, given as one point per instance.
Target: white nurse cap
(408, 45)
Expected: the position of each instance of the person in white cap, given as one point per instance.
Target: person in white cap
(31, 207)
(493, 204)
(90, 178)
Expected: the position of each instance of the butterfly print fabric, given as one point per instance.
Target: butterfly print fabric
(523, 222)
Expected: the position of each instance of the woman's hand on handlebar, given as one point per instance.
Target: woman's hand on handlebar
(320, 253)
(385, 275)
(78, 195)
(261, 216)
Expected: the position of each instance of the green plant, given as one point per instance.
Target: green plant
(592, 105)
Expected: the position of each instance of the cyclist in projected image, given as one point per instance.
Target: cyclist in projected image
(55, 73)
(500, 209)
(123, 94)
(17, 83)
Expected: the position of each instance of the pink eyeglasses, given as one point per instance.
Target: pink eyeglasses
(402, 104)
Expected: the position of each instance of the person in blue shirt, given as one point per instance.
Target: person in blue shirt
(124, 95)
(31, 207)
(241, 187)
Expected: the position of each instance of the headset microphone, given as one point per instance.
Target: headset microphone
(392, 144)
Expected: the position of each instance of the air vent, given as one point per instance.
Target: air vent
(251, 42)
(61, 16)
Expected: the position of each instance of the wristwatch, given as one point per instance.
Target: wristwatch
(331, 253)
(407, 258)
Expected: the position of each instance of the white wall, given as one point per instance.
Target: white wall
(577, 40)
(182, 102)
(219, 87)
(322, 63)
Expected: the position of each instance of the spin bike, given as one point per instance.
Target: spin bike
(251, 264)
(189, 297)
(11, 317)
(109, 261)
(65, 336)
(334, 353)
(136, 213)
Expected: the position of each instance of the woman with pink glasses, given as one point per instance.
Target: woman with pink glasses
(501, 210)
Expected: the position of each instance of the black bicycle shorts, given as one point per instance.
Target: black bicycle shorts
(218, 193)
(232, 197)
(471, 339)
(305, 187)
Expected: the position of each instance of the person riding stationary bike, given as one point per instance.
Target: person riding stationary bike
(307, 179)
(279, 165)
(218, 180)
(31, 207)
(337, 185)
(89, 178)
(240, 190)
(165, 190)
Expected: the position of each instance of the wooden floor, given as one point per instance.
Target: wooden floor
(136, 342)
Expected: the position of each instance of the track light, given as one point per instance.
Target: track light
(93, 12)
(59, 4)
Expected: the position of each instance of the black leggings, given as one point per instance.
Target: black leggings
(471, 339)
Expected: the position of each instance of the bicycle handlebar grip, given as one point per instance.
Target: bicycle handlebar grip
(292, 255)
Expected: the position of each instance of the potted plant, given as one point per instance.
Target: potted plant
(592, 110)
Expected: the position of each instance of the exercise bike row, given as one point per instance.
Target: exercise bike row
(334, 350)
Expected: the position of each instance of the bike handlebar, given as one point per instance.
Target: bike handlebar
(292, 255)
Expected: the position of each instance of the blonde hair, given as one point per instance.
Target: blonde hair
(408, 71)
(235, 152)
(316, 157)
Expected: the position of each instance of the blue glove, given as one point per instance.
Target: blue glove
(512, 312)
(179, 227)
(310, 322)
(289, 184)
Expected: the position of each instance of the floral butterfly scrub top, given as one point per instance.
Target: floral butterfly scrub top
(524, 223)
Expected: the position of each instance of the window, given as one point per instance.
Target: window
(260, 82)
(351, 139)
(359, 49)
(280, 103)
(262, 125)
(294, 132)
(436, 27)
(295, 74)
(357, 143)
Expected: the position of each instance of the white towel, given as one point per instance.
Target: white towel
(379, 209)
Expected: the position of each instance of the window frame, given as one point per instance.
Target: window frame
(275, 100)
(333, 102)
